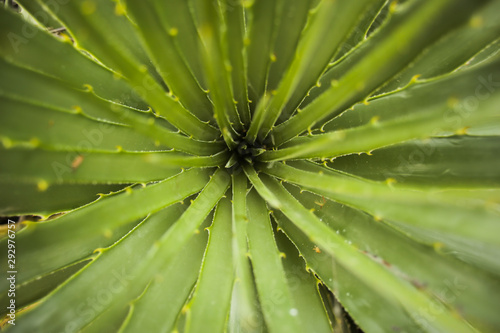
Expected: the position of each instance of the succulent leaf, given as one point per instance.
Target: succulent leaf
(249, 166)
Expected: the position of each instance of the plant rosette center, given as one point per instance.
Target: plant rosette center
(244, 152)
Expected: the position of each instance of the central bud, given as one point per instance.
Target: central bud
(244, 152)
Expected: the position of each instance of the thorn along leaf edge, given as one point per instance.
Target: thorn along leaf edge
(298, 166)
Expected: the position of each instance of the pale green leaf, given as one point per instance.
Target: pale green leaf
(209, 307)
(245, 313)
(278, 307)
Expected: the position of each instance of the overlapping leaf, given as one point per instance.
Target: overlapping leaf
(139, 124)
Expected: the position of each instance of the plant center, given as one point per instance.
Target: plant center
(244, 152)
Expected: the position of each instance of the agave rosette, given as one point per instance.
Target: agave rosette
(337, 152)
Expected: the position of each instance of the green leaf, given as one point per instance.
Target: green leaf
(166, 248)
(71, 129)
(35, 165)
(293, 19)
(458, 285)
(86, 18)
(118, 29)
(215, 282)
(482, 29)
(52, 129)
(263, 17)
(34, 290)
(28, 85)
(127, 95)
(488, 54)
(459, 161)
(35, 199)
(31, 47)
(176, 15)
(435, 60)
(278, 308)
(310, 60)
(257, 182)
(373, 18)
(348, 288)
(245, 313)
(38, 12)
(442, 213)
(392, 48)
(354, 30)
(173, 283)
(215, 63)
(84, 297)
(42, 246)
(168, 61)
(163, 252)
(303, 286)
(437, 107)
(107, 321)
(234, 30)
(372, 273)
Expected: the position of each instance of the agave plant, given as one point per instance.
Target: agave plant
(250, 166)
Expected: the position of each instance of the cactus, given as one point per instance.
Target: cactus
(250, 166)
